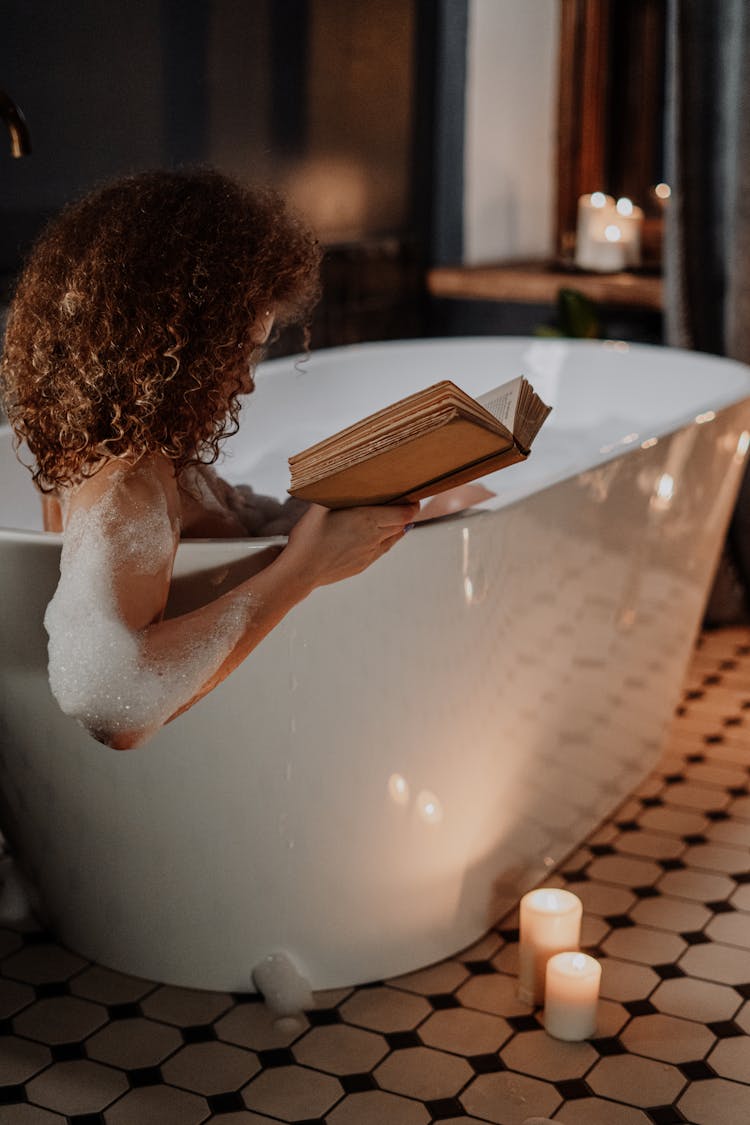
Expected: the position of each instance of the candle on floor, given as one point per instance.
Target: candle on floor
(550, 923)
(571, 995)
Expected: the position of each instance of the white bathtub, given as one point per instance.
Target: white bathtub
(414, 747)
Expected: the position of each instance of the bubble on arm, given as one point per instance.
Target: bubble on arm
(101, 670)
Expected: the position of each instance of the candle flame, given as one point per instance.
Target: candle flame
(398, 787)
(578, 961)
(663, 191)
(598, 199)
(612, 233)
(625, 206)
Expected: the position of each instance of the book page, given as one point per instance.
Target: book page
(502, 402)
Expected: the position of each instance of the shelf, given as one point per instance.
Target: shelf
(537, 283)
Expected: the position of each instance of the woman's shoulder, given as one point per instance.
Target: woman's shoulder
(134, 485)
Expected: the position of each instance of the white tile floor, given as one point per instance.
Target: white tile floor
(666, 889)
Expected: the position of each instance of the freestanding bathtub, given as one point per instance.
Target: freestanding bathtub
(412, 748)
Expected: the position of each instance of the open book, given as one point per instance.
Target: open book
(421, 445)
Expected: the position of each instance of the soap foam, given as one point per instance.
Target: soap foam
(100, 670)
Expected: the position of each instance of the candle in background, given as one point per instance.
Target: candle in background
(571, 995)
(594, 212)
(630, 221)
(550, 923)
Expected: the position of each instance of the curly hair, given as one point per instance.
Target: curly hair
(131, 327)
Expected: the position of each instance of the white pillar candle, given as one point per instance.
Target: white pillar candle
(550, 922)
(594, 212)
(630, 221)
(571, 995)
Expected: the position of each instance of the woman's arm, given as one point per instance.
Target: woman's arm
(120, 669)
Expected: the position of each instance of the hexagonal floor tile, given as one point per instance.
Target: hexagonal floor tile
(508, 1099)
(423, 1072)
(77, 1087)
(538, 1054)
(253, 1026)
(716, 1100)
(636, 1081)
(133, 1043)
(292, 1093)
(162, 1104)
(60, 1019)
(668, 1038)
(210, 1068)
(696, 999)
(376, 1108)
(464, 1032)
(340, 1049)
(385, 1009)
(20, 1059)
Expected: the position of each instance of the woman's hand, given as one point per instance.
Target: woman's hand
(326, 546)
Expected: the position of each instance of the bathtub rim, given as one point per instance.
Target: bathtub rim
(593, 459)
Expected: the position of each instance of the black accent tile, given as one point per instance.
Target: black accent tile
(628, 825)
(10, 1095)
(619, 921)
(231, 1102)
(480, 968)
(199, 1033)
(645, 892)
(323, 1017)
(523, 1023)
(738, 790)
(673, 778)
(651, 802)
(443, 1108)
(602, 849)
(694, 838)
(671, 864)
(668, 971)
(443, 1000)
(680, 710)
(664, 1114)
(695, 758)
(510, 935)
(486, 1064)
(39, 937)
(52, 988)
(695, 937)
(733, 721)
(400, 1040)
(6, 1027)
(573, 1088)
(640, 1007)
(713, 739)
(696, 1071)
(124, 1011)
(695, 693)
(725, 1029)
(575, 876)
(727, 665)
(371, 984)
(65, 1052)
(717, 814)
(741, 877)
(721, 906)
(358, 1083)
(743, 989)
(86, 1119)
(609, 1045)
(713, 679)
(310, 1121)
(145, 1076)
(276, 1056)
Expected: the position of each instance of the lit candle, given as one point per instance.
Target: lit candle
(594, 212)
(630, 221)
(550, 922)
(571, 995)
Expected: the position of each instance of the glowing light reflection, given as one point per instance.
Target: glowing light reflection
(662, 191)
(625, 206)
(429, 807)
(612, 232)
(649, 443)
(598, 199)
(707, 417)
(398, 788)
(743, 443)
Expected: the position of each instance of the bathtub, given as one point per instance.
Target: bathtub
(412, 748)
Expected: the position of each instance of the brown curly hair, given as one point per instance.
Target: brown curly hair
(130, 330)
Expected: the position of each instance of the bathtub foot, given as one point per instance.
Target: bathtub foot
(18, 897)
(286, 992)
